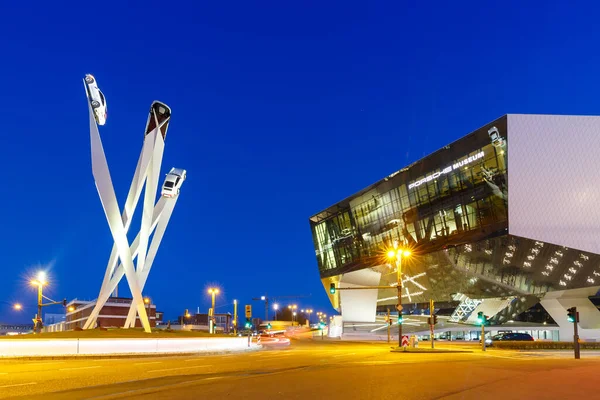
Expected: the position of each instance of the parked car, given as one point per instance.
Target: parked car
(97, 99)
(173, 182)
(509, 336)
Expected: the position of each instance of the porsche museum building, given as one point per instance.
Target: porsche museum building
(503, 220)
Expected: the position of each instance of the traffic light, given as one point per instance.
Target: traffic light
(332, 288)
(400, 319)
(482, 319)
(321, 325)
(572, 314)
(268, 326)
(248, 324)
(64, 302)
(434, 319)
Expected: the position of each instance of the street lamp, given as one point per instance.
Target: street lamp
(293, 308)
(147, 302)
(213, 292)
(235, 317)
(39, 281)
(15, 306)
(396, 255)
(275, 307)
(308, 312)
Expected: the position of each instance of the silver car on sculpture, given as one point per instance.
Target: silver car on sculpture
(97, 99)
(173, 182)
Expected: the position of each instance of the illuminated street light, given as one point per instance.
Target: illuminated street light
(40, 281)
(15, 306)
(147, 302)
(396, 255)
(213, 292)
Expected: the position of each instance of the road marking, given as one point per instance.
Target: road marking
(76, 368)
(150, 389)
(492, 355)
(151, 362)
(375, 362)
(342, 355)
(19, 384)
(46, 363)
(176, 369)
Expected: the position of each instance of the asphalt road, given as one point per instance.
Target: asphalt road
(310, 369)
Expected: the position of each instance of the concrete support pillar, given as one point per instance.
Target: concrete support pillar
(556, 304)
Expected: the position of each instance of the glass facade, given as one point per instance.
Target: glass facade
(456, 195)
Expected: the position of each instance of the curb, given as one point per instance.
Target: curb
(126, 355)
(429, 351)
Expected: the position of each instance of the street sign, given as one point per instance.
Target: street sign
(248, 311)
(399, 307)
(404, 341)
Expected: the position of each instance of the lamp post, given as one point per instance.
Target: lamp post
(39, 281)
(293, 308)
(275, 307)
(213, 292)
(396, 254)
(147, 302)
(186, 315)
(235, 317)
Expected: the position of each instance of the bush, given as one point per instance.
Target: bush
(540, 345)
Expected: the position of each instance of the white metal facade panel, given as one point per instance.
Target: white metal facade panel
(554, 179)
(359, 305)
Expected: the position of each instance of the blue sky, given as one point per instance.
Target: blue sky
(279, 110)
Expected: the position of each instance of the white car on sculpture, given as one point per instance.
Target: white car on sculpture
(96, 98)
(173, 182)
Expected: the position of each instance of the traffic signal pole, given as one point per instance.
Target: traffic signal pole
(431, 312)
(389, 323)
(576, 337)
(573, 317)
(482, 337)
(399, 306)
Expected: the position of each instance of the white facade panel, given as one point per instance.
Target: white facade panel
(554, 179)
(359, 305)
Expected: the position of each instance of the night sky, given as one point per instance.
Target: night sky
(280, 109)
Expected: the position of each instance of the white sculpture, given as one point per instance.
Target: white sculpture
(154, 217)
